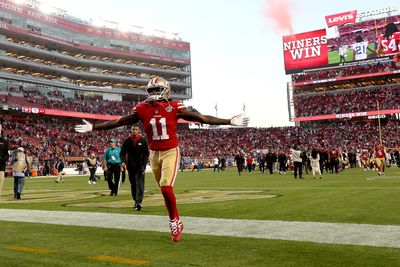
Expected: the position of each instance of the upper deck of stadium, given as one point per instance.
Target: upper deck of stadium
(57, 50)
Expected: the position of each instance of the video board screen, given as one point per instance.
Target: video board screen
(355, 44)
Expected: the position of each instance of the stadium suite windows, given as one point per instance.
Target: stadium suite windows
(49, 49)
(98, 41)
(28, 50)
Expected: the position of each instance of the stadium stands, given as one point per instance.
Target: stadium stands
(55, 99)
(47, 139)
(319, 75)
(345, 101)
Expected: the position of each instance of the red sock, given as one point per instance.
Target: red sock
(170, 201)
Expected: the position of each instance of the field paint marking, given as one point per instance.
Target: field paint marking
(190, 197)
(383, 178)
(31, 249)
(119, 260)
(318, 232)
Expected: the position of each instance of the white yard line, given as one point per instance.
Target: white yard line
(318, 232)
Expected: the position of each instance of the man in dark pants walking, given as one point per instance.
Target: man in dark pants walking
(270, 159)
(134, 156)
(112, 164)
(92, 166)
(239, 158)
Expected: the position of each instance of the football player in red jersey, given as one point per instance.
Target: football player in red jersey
(389, 42)
(365, 160)
(159, 115)
(380, 156)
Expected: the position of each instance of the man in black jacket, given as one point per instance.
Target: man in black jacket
(134, 156)
(4, 146)
(270, 158)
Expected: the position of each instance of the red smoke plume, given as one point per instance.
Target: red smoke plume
(278, 11)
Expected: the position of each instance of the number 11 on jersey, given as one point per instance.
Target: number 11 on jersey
(161, 123)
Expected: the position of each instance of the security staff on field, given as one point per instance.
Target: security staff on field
(134, 156)
(112, 164)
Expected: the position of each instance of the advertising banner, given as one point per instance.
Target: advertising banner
(305, 50)
(369, 114)
(341, 18)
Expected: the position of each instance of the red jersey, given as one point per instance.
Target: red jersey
(379, 152)
(390, 45)
(159, 120)
(249, 160)
(334, 154)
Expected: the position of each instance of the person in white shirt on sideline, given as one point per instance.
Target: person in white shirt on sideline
(216, 163)
(297, 162)
(315, 163)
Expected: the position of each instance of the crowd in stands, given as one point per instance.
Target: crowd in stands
(340, 101)
(107, 107)
(346, 101)
(46, 140)
(368, 25)
(56, 100)
(208, 143)
(342, 72)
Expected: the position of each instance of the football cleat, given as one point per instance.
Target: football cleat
(176, 226)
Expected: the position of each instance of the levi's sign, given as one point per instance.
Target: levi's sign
(341, 18)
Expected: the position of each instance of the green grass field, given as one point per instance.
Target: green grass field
(354, 196)
(333, 56)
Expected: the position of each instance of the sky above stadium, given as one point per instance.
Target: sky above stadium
(236, 45)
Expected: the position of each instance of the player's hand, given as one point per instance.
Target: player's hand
(84, 128)
(240, 120)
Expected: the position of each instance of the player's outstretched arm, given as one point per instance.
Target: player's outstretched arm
(122, 121)
(238, 120)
